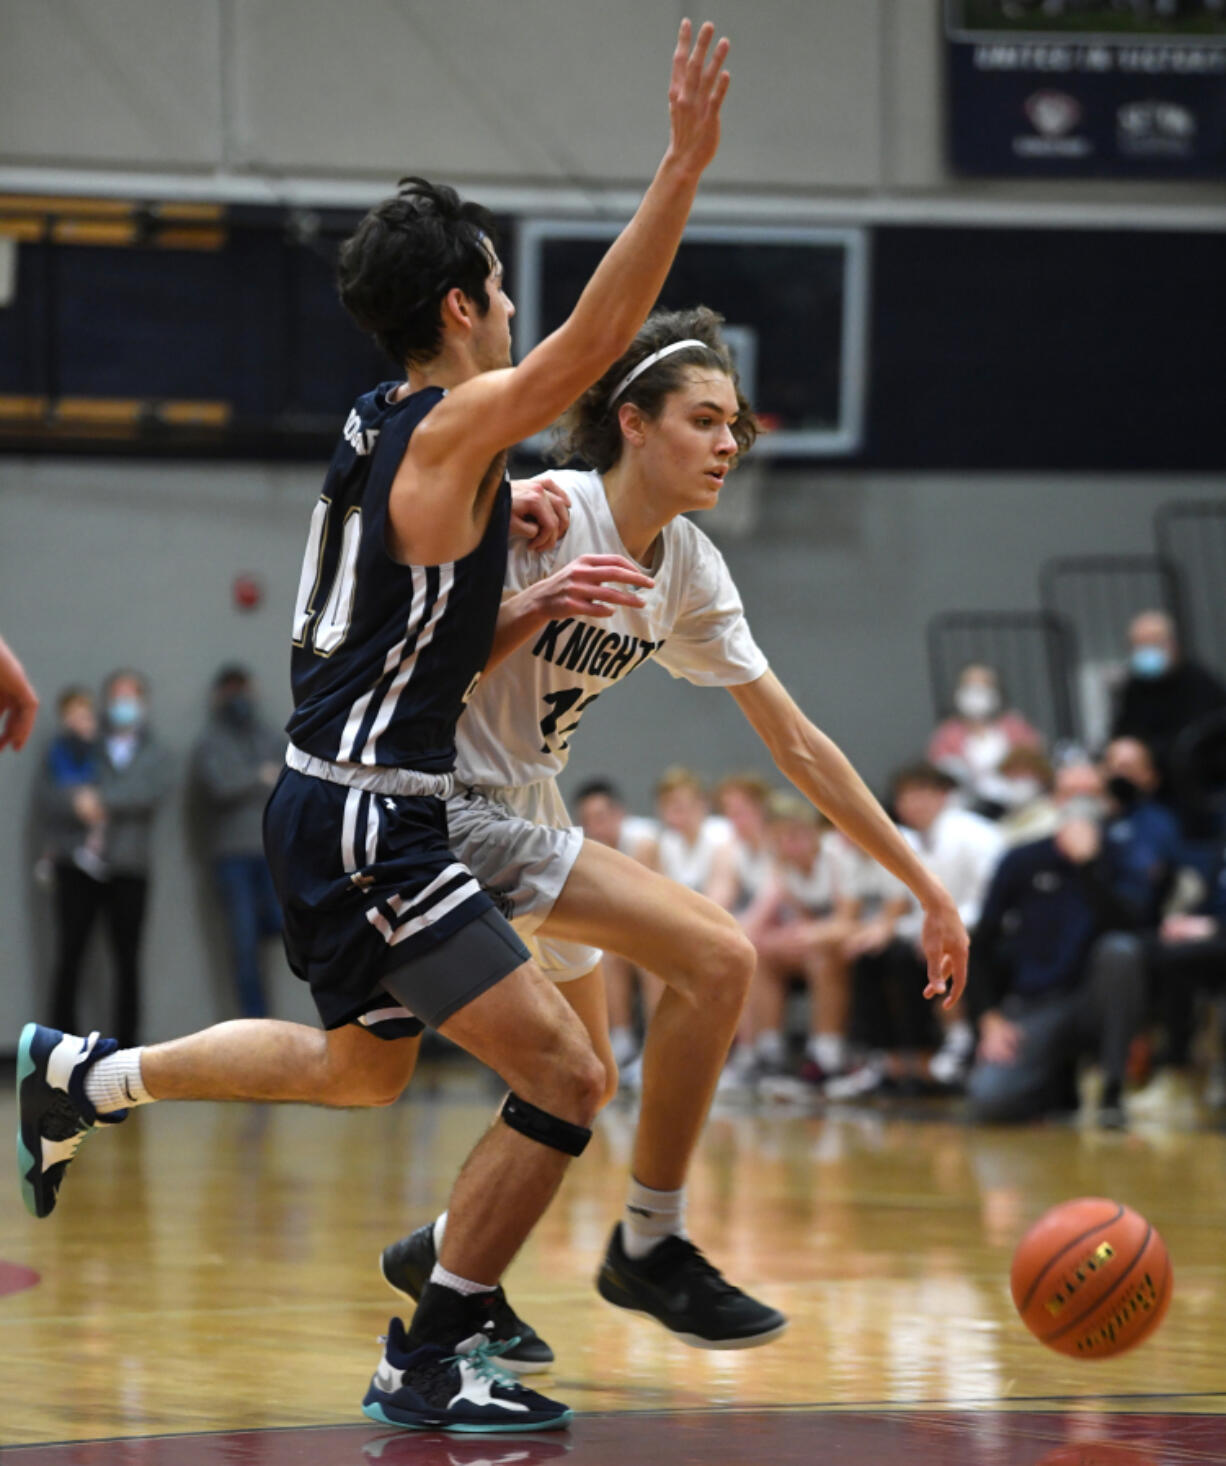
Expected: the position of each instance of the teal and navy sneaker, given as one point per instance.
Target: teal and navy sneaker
(406, 1266)
(54, 1116)
(677, 1286)
(457, 1388)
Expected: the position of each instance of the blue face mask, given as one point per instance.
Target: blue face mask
(125, 713)
(1150, 661)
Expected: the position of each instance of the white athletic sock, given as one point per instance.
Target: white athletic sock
(960, 1038)
(114, 1083)
(650, 1217)
(440, 1227)
(829, 1050)
(457, 1284)
(769, 1046)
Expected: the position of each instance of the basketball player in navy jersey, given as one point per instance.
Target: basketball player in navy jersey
(394, 622)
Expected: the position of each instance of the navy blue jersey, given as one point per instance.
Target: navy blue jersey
(385, 654)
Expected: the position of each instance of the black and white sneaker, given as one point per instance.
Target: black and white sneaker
(54, 1116)
(460, 1388)
(676, 1285)
(406, 1267)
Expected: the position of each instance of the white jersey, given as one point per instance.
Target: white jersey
(637, 831)
(832, 877)
(693, 865)
(754, 869)
(517, 727)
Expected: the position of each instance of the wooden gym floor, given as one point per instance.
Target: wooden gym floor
(207, 1293)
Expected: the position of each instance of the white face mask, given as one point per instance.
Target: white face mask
(977, 701)
(1016, 792)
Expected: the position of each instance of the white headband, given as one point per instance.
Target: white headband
(650, 361)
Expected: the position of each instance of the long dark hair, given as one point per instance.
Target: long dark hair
(395, 270)
(590, 430)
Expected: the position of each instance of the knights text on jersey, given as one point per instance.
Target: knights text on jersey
(385, 654)
(517, 727)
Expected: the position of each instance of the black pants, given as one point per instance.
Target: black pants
(1179, 971)
(78, 900)
(889, 1010)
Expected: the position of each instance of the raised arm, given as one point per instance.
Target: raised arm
(492, 411)
(822, 773)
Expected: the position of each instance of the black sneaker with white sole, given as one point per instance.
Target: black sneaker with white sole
(676, 1285)
(456, 1387)
(54, 1115)
(406, 1266)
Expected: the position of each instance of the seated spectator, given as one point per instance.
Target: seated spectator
(972, 744)
(601, 812)
(1056, 970)
(742, 800)
(695, 846)
(799, 925)
(962, 850)
(1144, 833)
(1165, 692)
(892, 1024)
(236, 761)
(1026, 783)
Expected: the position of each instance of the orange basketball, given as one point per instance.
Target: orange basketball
(1091, 1278)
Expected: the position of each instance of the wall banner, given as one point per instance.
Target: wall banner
(1083, 88)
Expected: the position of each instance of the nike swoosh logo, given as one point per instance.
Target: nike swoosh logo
(127, 1090)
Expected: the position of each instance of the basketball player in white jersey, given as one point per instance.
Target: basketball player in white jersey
(662, 429)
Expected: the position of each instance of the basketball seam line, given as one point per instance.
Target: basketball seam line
(1120, 1281)
(1068, 1247)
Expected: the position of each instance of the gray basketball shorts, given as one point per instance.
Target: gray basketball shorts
(520, 844)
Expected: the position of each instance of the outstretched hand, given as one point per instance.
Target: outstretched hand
(588, 586)
(695, 94)
(946, 947)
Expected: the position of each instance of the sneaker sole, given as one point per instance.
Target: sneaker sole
(696, 1341)
(26, 1160)
(376, 1411)
(516, 1366)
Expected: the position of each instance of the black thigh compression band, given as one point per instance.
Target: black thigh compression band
(544, 1128)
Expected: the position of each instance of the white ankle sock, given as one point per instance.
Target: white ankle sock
(769, 1046)
(651, 1216)
(114, 1083)
(457, 1284)
(440, 1227)
(829, 1050)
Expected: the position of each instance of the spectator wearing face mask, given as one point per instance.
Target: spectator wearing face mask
(235, 763)
(972, 744)
(1027, 779)
(124, 776)
(1165, 692)
(1057, 970)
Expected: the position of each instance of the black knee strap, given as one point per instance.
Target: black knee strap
(544, 1128)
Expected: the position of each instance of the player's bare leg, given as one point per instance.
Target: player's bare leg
(263, 1059)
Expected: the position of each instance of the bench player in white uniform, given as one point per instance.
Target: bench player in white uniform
(662, 429)
(602, 815)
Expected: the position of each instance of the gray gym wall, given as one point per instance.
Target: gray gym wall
(836, 104)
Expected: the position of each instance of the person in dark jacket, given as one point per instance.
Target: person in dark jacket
(98, 800)
(1058, 971)
(1165, 692)
(235, 763)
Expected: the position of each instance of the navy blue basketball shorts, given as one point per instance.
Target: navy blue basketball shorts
(381, 919)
